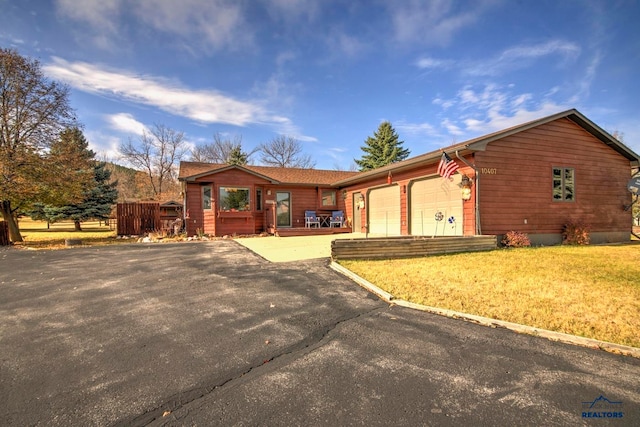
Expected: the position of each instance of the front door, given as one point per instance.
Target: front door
(357, 213)
(283, 209)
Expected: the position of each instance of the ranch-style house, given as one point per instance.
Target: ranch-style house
(531, 178)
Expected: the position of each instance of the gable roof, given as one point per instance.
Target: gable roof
(190, 171)
(480, 144)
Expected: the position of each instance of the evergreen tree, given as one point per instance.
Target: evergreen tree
(382, 149)
(71, 161)
(237, 157)
(97, 202)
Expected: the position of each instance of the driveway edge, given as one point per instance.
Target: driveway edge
(486, 321)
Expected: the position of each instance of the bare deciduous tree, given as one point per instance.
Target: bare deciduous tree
(158, 154)
(618, 135)
(222, 150)
(285, 152)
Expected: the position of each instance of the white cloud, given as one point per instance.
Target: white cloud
(98, 14)
(416, 129)
(497, 120)
(522, 56)
(293, 11)
(211, 24)
(286, 127)
(345, 44)
(508, 60)
(204, 106)
(218, 23)
(481, 110)
(451, 128)
(125, 122)
(433, 23)
(444, 103)
(106, 147)
(584, 85)
(432, 63)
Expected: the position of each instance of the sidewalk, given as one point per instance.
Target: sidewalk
(296, 248)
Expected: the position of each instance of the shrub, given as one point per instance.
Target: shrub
(576, 233)
(516, 239)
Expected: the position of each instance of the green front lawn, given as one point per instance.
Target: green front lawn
(590, 291)
(36, 235)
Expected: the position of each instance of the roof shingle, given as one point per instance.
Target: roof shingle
(281, 175)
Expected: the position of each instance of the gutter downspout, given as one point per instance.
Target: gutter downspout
(631, 205)
(636, 235)
(477, 201)
(183, 188)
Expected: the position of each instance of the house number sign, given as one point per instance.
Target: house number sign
(488, 171)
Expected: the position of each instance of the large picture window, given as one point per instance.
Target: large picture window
(234, 199)
(564, 184)
(329, 198)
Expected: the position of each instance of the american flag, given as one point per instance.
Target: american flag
(447, 166)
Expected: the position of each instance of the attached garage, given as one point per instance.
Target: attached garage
(384, 211)
(436, 207)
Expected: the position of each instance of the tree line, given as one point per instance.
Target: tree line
(48, 172)
(46, 167)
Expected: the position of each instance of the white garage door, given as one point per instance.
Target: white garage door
(384, 211)
(436, 198)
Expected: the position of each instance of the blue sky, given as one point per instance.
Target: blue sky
(329, 72)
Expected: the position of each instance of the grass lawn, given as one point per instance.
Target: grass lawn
(590, 291)
(36, 235)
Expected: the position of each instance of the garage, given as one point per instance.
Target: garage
(384, 211)
(436, 207)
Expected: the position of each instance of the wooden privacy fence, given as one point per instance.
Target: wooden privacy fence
(135, 219)
(407, 247)
(4, 233)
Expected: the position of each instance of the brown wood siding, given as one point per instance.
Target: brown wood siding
(521, 188)
(308, 199)
(193, 209)
(256, 220)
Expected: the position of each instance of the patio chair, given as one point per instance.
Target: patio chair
(310, 219)
(337, 218)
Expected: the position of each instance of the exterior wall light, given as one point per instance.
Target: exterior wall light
(465, 187)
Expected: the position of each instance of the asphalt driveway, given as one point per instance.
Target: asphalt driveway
(212, 334)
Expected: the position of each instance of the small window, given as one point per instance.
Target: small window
(329, 198)
(234, 199)
(206, 197)
(563, 184)
(259, 199)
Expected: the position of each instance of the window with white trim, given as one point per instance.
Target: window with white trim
(206, 197)
(329, 198)
(234, 199)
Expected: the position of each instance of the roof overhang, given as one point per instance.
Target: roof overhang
(193, 178)
(412, 163)
(480, 144)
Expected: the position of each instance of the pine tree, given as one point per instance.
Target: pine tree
(97, 202)
(382, 149)
(71, 161)
(237, 157)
